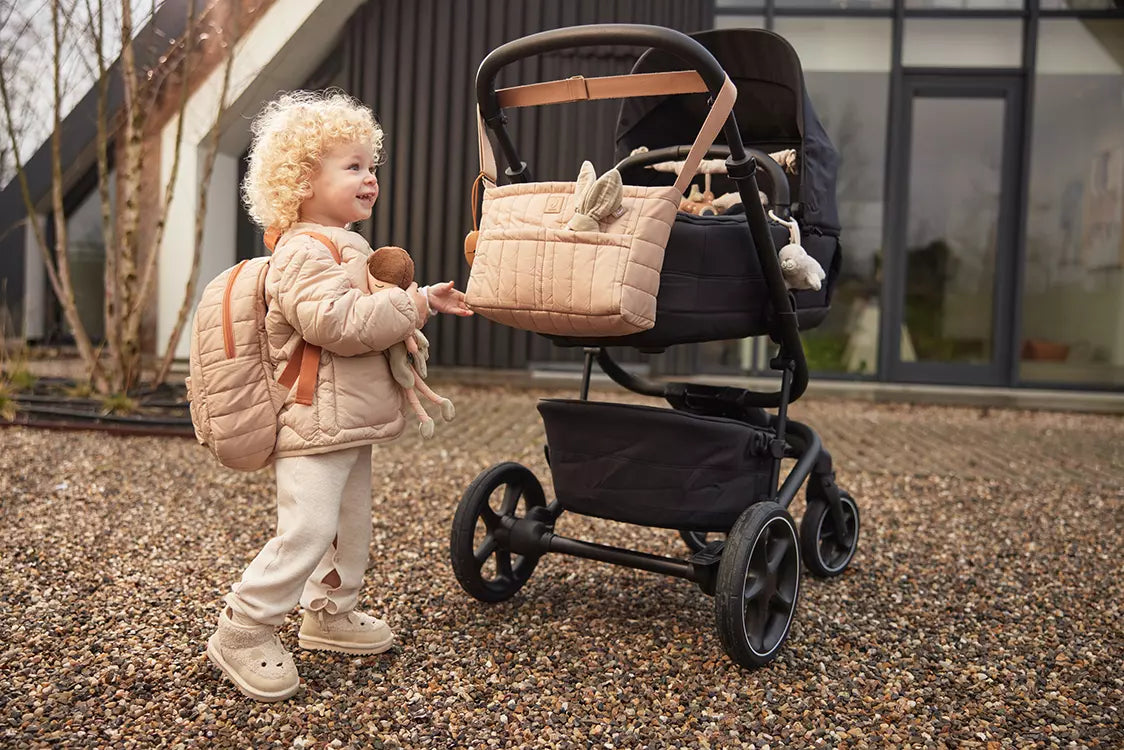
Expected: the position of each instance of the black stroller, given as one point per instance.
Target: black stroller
(711, 464)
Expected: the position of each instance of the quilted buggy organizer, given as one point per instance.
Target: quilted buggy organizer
(533, 273)
(654, 466)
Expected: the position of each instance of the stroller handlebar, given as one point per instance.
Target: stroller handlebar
(677, 43)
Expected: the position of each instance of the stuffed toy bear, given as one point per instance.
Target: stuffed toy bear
(389, 267)
(800, 270)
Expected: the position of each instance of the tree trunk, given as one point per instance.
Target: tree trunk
(111, 313)
(128, 201)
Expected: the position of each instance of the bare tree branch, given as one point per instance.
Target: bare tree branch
(70, 309)
(201, 210)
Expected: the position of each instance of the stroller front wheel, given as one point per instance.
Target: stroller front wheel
(485, 567)
(758, 584)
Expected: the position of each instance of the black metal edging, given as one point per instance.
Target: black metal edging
(120, 428)
(887, 344)
(1022, 199)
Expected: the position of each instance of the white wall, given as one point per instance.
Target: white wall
(281, 50)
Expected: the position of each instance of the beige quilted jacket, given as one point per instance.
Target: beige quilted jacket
(311, 297)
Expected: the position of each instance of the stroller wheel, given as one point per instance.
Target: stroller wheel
(758, 584)
(696, 540)
(826, 549)
(483, 564)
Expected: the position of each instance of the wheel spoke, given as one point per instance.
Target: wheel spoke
(756, 621)
(753, 587)
(485, 550)
(781, 602)
(503, 565)
(511, 497)
(828, 554)
(491, 520)
(777, 554)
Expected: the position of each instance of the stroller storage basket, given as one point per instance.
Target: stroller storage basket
(654, 466)
(712, 287)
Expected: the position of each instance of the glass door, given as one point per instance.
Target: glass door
(950, 269)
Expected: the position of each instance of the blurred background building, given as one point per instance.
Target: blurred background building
(981, 185)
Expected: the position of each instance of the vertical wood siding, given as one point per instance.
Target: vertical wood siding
(415, 65)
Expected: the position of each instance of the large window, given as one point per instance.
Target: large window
(1073, 297)
(846, 70)
(963, 42)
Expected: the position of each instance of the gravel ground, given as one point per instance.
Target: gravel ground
(982, 610)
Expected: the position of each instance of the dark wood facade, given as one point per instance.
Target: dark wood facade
(415, 65)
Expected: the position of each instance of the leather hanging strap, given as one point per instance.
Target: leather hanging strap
(579, 88)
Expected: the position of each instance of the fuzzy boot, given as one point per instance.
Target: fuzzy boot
(253, 658)
(350, 632)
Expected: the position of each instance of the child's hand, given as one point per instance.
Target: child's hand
(446, 299)
(420, 304)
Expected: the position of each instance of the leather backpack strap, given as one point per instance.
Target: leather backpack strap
(292, 367)
(227, 323)
(304, 364)
(327, 243)
(310, 365)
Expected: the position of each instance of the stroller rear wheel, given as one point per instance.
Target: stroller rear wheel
(828, 550)
(484, 565)
(758, 584)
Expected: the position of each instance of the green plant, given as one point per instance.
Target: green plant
(118, 403)
(8, 405)
(80, 390)
(21, 379)
(825, 352)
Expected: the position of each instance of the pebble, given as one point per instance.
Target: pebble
(983, 609)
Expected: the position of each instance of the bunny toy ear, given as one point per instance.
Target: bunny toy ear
(793, 227)
(586, 177)
(604, 197)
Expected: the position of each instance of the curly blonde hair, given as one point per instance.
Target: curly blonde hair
(290, 136)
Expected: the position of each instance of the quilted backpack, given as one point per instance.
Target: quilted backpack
(233, 397)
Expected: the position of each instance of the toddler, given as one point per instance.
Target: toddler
(311, 175)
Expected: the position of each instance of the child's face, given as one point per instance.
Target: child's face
(344, 189)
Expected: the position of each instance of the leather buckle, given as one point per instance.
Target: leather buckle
(576, 88)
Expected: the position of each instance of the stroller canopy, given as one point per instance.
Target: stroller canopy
(773, 112)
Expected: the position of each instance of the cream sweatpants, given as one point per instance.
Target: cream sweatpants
(320, 552)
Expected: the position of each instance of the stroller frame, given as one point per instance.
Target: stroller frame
(754, 572)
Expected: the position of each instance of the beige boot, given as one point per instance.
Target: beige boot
(350, 632)
(253, 658)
